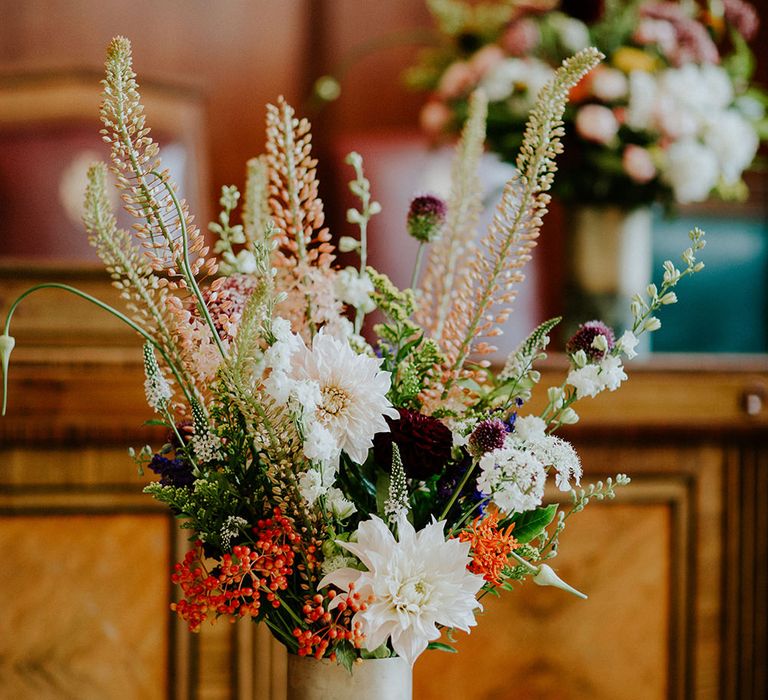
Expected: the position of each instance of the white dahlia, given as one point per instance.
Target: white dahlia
(414, 585)
(353, 392)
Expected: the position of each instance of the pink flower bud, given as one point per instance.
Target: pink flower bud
(638, 164)
(596, 123)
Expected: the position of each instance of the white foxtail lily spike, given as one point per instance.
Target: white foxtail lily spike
(547, 577)
(7, 344)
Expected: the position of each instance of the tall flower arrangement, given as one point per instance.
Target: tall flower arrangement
(670, 116)
(357, 496)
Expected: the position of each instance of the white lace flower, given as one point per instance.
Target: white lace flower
(316, 482)
(551, 451)
(416, 583)
(513, 478)
(353, 390)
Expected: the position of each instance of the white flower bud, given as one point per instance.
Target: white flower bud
(374, 208)
(347, 244)
(354, 216)
(7, 344)
(555, 395)
(547, 577)
(651, 324)
(569, 417)
(698, 267)
(600, 342)
(669, 298)
(579, 358)
(535, 376)
(652, 291)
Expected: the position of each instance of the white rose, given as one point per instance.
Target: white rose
(691, 170)
(609, 84)
(643, 93)
(734, 141)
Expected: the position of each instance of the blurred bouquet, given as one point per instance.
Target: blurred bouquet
(356, 497)
(670, 116)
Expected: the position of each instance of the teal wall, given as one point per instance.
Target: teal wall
(725, 307)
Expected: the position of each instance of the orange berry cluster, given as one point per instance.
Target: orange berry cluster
(490, 547)
(242, 581)
(327, 628)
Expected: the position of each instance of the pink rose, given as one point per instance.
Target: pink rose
(638, 164)
(458, 80)
(596, 123)
(486, 59)
(521, 37)
(608, 84)
(435, 117)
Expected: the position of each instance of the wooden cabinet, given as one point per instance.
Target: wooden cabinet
(675, 567)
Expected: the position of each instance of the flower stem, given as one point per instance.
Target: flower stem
(106, 307)
(417, 265)
(458, 490)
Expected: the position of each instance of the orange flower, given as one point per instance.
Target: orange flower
(490, 546)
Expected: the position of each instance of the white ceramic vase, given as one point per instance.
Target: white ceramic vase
(609, 260)
(371, 679)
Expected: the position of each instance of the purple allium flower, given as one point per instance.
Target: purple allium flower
(426, 216)
(173, 472)
(488, 435)
(424, 442)
(583, 338)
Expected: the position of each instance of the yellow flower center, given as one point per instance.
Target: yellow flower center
(335, 401)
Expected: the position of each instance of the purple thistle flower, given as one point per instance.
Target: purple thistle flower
(488, 435)
(426, 216)
(583, 338)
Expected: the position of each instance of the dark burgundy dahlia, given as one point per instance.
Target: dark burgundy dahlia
(587, 11)
(424, 444)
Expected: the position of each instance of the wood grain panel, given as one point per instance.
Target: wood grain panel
(87, 593)
(538, 643)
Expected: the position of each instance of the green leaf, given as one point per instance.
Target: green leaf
(345, 655)
(156, 421)
(381, 652)
(531, 523)
(442, 647)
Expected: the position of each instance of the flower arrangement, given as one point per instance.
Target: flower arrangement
(670, 116)
(357, 497)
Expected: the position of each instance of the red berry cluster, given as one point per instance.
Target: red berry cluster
(242, 581)
(329, 627)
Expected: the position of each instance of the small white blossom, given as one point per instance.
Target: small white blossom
(338, 504)
(612, 372)
(319, 444)
(355, 289)
(627, 344)
(513, 478)
(530, 428)
(585, 380)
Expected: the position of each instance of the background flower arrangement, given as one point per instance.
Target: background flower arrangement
(357, 498)
(670, 116)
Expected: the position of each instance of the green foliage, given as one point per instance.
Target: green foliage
(532, 523)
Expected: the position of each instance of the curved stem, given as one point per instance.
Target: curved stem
(187, 268)
(106, 307)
